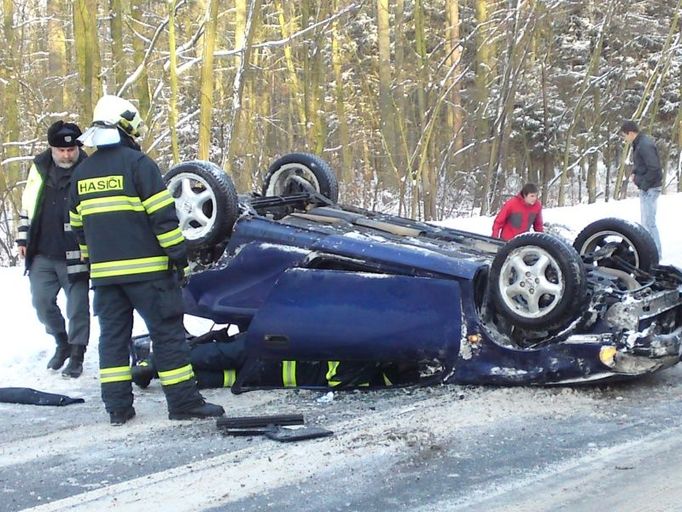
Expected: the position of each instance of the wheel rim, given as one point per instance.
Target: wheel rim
(195, 204)
(531, 282)
(625, 247)
(286, 180)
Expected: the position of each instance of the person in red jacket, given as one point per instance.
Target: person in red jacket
(519, 214)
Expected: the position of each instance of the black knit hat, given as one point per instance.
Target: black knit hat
(63, 135)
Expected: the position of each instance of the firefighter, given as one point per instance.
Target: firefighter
(50, 250)
(126, 223)
(217, 359)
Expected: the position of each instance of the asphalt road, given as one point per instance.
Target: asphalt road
(446, 448)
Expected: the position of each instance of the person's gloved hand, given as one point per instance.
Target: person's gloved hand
(181, 270)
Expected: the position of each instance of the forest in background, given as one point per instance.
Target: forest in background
(426, 108)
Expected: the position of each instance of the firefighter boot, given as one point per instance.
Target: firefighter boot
(203, 410)
(61, 353)
(143, 373)
(75, 366)
(118, 418)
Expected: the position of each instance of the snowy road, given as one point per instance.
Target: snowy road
(446, 448)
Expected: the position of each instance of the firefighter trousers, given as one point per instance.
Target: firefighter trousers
(159, 303)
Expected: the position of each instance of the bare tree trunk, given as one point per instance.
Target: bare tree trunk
(402, 153)
(286, 29)
(57, 51)
(87, 53)
(607, 164)
(173, 100)
(142, 93)
(117, 56)
(244, 45)
(427, 180)
(454, 49)
(678, 126)
(594, 156)
(344, 138)
(546, 152)
(386, 112)
(313, 66)
(518, 48)
(483, 74)
(11, 171)
(206, 85)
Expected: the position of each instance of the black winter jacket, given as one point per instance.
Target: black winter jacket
(44, 219)
(124, 217)
(647, 164)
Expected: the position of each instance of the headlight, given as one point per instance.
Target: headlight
(607, 355)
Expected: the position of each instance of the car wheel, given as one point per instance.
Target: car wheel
(205, 201)
(630, 241)
(538, 281)
(300, 172)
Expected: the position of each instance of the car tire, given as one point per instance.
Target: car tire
(635, 244)
(538, 281)
(205, 200)
(299, 172)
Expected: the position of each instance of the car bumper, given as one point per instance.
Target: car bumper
(649, 353)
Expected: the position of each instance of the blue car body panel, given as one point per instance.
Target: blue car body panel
(353, 316)
(489, 363)
(233, 291)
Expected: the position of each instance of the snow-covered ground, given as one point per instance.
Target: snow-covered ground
(26, 347)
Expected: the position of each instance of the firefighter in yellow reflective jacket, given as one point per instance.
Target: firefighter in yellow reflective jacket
(126, 224)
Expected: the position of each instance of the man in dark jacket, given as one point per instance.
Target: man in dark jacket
(647, 175)
(125, 221)
(51, 253)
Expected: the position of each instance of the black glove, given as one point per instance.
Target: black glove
(181, 270)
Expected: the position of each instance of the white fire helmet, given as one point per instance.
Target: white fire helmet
(112, 112)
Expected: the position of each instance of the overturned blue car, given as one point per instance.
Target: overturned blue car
(306, 279)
